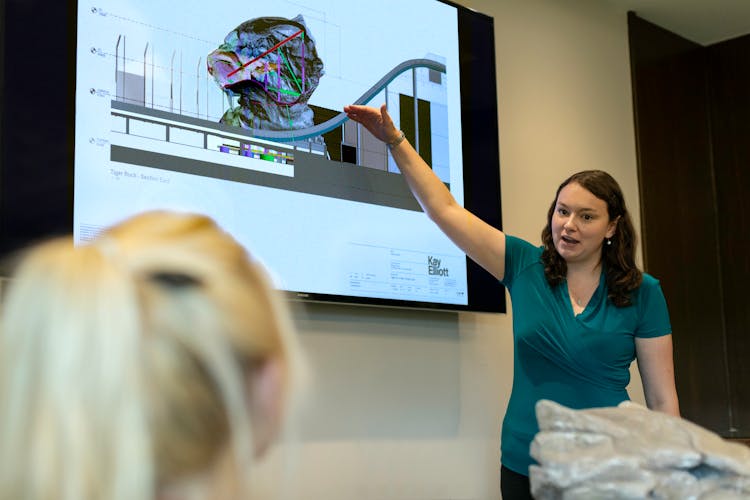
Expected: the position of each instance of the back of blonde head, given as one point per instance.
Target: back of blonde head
(123, 362)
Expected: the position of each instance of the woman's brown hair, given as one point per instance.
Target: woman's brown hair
(618, 257)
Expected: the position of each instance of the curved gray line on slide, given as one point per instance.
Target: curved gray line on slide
(328, 125)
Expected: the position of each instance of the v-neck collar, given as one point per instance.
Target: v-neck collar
(595, 298)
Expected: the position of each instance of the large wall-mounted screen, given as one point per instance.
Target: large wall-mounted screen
(235, 110)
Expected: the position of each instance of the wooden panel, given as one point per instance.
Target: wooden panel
(729, 64)
(678, 216)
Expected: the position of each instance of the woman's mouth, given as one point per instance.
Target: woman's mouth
(568, 240)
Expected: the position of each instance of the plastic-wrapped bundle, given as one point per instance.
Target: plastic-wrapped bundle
(630, 452)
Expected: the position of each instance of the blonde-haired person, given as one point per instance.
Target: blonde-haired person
(152, 363)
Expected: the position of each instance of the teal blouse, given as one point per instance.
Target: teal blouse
(578, 361)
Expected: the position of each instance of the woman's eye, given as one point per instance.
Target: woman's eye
(562, 211)
(588, 217)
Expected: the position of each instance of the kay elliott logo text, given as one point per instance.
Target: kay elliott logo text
(434, 269)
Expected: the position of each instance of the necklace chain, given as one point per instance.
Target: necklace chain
(591, 287)
(576, 299)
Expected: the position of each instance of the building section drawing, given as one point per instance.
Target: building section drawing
(198, 109)
(261, 121)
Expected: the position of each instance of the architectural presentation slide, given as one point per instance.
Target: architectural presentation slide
(235, 110)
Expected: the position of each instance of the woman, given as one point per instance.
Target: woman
(582, 310)
(154, 362)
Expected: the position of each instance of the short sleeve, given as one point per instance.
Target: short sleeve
(653, 313)
(519, 254)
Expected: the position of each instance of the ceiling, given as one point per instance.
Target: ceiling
(702, 21)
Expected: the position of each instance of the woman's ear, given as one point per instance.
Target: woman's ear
(267, 387)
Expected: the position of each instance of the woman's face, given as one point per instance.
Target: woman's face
(580, 223)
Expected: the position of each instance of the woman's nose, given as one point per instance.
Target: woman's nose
(569, 222)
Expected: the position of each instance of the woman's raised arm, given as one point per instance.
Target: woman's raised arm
(483, 243)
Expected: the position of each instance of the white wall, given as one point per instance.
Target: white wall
(408, 405)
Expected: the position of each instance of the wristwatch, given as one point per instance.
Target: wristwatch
(398, 140)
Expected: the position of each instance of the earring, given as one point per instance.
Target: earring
(609, 242)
